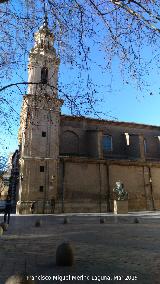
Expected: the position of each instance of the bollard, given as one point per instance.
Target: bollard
(4, 226)
(65, 255)
(136, 221)
(19, 279)
(102, 220)
(38, 223)
(66, 220)
(1, 230)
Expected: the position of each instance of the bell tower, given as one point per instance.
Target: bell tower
(39, 128)
(43, 63)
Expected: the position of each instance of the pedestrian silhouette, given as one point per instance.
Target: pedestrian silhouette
(7, 210)
(33, 207)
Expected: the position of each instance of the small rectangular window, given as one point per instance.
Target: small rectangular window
(41, 169)
(107, 143)
(41, 188)
(44, 75)
(43, 134)
(127, 138)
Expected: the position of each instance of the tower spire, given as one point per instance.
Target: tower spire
(45, 22)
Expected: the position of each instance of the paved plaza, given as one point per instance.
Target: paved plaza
(118, 251)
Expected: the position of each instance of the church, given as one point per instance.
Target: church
(71, 164)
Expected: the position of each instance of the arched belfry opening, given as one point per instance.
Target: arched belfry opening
(44, 75)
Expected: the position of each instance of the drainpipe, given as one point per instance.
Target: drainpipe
(151, 187)
(108, 192)
(63, 184)
(100, 192)
(45, 188)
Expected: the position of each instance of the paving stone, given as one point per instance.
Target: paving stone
(112, 249)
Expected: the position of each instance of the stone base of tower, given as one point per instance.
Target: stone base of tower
(38, 190)
(36, 207)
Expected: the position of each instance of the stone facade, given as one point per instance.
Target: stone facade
(89, 170)
(71, 164)
(39, 125)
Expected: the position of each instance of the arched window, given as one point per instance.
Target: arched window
(107, 143)
(44, 75)
(69, 143)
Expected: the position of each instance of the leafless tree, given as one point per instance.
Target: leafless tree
(119, 29)
(3, 165)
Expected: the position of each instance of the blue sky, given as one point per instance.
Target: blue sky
(120, 101)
